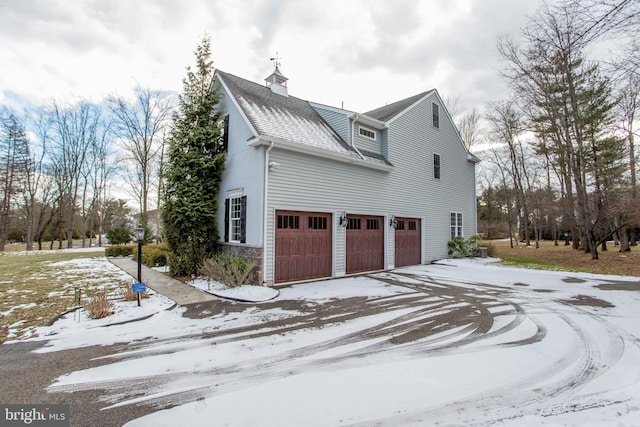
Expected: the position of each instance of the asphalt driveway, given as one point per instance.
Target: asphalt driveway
(426, 315)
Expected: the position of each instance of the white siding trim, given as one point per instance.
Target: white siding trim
(390, 244)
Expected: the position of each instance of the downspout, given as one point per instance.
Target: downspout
(353, 135)
(264, 222)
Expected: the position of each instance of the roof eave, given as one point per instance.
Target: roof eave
(313, 151)
(402, 113)
(236, 104)
(472, 158)
(370, 121)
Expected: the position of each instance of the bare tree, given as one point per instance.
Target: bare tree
(568, 102)
(75, 131)
(469, 127)
(34, 183)
(14, 156)
(506, 125)
(455, 107)
(140, 127)
(629, 106)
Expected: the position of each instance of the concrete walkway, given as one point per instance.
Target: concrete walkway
(178, 291)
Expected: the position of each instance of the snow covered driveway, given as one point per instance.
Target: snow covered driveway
(454, 343)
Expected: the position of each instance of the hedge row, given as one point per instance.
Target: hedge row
(152, 255)
(119, 250)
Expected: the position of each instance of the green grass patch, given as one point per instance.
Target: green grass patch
(517, 260)
(34, 288)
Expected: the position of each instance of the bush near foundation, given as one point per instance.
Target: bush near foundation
(228, 269)
(461, 247)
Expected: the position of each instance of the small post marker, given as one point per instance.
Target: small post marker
(138, 288)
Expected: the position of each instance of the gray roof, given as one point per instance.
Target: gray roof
(391, 110)
(287, 117)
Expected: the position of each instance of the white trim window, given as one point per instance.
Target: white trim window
(366, 132)
(456, 225)
(235, 219)
(436, 165)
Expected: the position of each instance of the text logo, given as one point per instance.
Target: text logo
(34, 415)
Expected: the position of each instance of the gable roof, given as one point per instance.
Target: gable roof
(386, 113)
(288, 118)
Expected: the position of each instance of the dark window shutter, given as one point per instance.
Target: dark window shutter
(225, 137)
(226, 220)
(243, 219)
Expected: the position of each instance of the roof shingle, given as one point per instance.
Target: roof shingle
(389, 111)
(287, 117)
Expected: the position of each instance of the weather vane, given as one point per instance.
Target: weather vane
(276, 60)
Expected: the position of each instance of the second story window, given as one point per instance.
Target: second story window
(224, 133)
(367, 133)
(436, 166)
(435, 109)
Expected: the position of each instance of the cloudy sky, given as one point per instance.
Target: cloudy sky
(363, 53)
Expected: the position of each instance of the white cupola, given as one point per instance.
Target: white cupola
(277, 81)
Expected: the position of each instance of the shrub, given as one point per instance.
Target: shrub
(228, 269)
(116, 251)
(155, 255)
(461, 247)
(99, 305)
(119, 235)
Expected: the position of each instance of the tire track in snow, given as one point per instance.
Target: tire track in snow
(586, 360)
(433, 325)
(434, 317)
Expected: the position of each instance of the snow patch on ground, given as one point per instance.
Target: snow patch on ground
(245, 293)
(544, 361)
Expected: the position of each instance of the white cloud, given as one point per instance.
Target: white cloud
(365, 53)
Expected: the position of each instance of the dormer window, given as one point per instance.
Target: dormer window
(367, 133)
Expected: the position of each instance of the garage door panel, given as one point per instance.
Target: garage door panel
(303, 245)
(408, 242)
(365, 243)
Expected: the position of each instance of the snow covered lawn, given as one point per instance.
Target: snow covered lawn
(36, 286)
(460, 342)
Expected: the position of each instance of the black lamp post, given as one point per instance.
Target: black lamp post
(139, 237)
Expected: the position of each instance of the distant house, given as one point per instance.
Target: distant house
(313, 191)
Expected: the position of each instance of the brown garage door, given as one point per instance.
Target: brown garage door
(303, 245)
(365, 243)
(407, 242)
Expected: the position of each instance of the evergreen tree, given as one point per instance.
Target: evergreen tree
(194, 169)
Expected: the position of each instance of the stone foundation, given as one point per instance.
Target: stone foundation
(253, 253)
